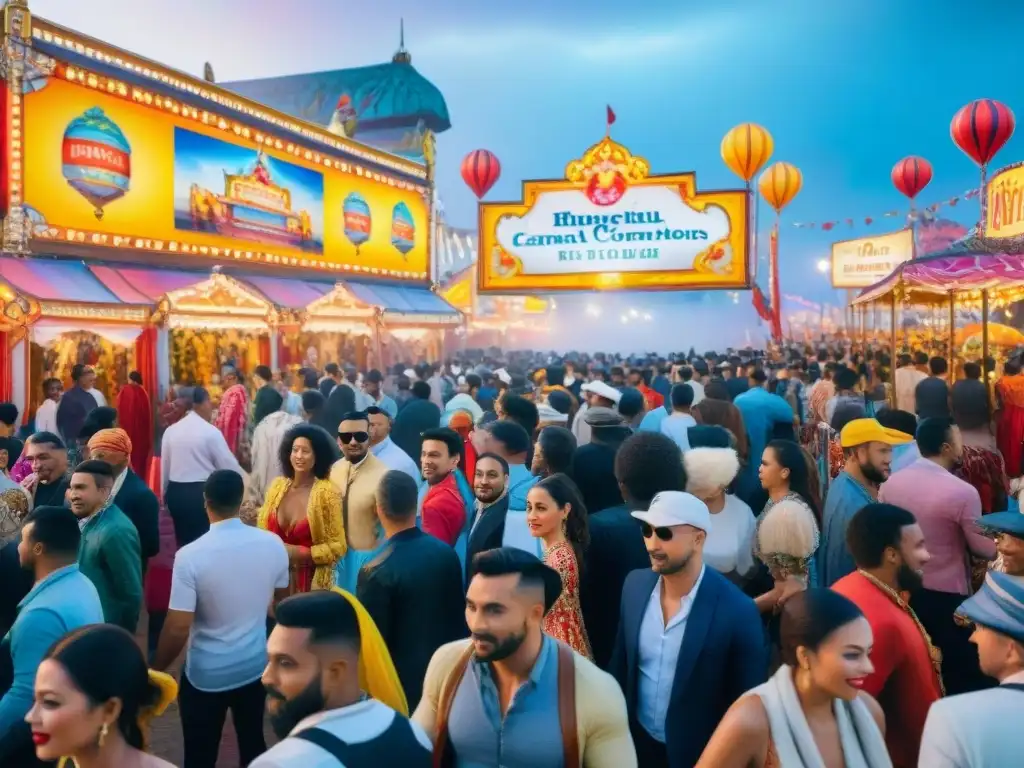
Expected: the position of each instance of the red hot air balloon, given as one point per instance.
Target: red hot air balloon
(480, 170)
(981, 129)
(911, 174)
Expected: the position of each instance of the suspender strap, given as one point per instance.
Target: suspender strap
(1013, 686)
(567, 706)
(442, 752)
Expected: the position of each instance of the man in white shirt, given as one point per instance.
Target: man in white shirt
(315, 702)
(686, 377)
(222, 587)
(363, 400)
(190, 451)
(46, 413)
(384, 448)
(908, 376)
(678, 424)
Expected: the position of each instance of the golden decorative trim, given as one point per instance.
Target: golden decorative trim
(114, 312)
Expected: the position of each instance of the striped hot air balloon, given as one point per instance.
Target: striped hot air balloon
(96, 159)
(403, 229)
(745, 150)
(981, 129)
(357, 219)
(911, 174)
(480, 170)
(779, 184)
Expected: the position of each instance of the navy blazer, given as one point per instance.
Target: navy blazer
(723, 656)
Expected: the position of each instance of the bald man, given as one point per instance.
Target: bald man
(130, 492)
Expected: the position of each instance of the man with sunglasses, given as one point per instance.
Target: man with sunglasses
(689, 641)
(356, 476)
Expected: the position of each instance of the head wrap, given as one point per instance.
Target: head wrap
(112, 440)
(377, 675)
(168, 688)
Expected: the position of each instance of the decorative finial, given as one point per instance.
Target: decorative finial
(402, 56)
(208, 75)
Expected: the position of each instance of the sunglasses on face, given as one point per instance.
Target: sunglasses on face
(348, 437)
(665, 534)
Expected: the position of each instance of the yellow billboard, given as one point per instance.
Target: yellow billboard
(110, 165)
(1004, 203)
(610, 225)
(866, 260)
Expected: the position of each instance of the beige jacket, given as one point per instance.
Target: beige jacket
(601, 720)
(359, 484)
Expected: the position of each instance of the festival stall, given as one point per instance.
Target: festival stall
(173, 225)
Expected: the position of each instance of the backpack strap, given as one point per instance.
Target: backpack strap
(328, 742)
(442, 756)
(567, 706)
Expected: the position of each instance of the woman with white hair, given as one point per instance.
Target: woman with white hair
(730, 542)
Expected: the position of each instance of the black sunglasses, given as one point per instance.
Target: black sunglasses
(665, 534)
(348, 437)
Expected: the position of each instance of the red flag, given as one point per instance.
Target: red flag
(611, 116)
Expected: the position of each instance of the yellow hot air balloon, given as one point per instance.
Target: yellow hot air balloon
(779, 184)
(746, 148)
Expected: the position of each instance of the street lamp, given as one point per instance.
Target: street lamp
(824, 265)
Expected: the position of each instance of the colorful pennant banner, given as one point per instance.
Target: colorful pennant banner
(918, 214)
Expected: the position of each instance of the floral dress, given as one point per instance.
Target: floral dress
(565, 619)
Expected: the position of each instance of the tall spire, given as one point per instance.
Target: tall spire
(402, 56)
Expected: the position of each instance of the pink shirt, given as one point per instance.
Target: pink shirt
(948, 510)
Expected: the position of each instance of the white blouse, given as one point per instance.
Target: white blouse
(730, 542)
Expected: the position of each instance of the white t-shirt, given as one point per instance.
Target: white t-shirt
(677, 427)
(227, 578)
(358, 723)
(730, 542)
(698, 391)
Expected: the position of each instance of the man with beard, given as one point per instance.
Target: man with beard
(314, 699)
(867, 446)
(689, 642)
(948, 510)
(48, 458)
(513, 694)
(490, 487)
(888, 547)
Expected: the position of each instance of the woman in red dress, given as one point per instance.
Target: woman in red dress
(556, 515)
(1010, 416)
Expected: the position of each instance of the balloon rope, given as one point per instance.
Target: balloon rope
(982, 202)
(757, 215)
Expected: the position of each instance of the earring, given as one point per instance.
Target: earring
(565, 525)
(104, 730)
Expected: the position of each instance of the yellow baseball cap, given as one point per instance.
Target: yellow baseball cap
(861, 431)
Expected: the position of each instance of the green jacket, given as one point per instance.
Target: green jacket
(110, 556)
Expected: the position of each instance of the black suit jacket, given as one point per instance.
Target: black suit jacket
(616, 548)
(487, 533)
(411, 422)
(723, 656)
(413, 591)
(140, 504)
(16, 581)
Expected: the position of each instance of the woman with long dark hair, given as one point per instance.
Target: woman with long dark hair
(555, 514)
(94, 697)
(813, 711)
(304, 509)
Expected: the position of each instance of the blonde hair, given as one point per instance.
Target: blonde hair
(709, 470)
(788, 529)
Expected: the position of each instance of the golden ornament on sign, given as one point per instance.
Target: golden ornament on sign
(607, 156)
(746, 148)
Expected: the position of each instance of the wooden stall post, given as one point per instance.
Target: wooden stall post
(984, 348)
(952, 338)
(894, 351)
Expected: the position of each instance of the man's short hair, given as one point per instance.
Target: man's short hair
(510, 434)
(421, 390)
(522, 411)
(57, 529)
(921, 358)
(78, 371)
(451, 439)
(355, 416)
(681, 396)
(932, 434)
(938, 366)
(8, 413)
(199, 396)
(223, 491)
(102, 473)
(473, 381)
(374, 410)
(901, 421)
(397, 495)
(332, 369)
(648, 463)
(875, 528)
(493, 457)
(264, 372)
(532, 572)
(313, 400)
(328, 615)
(47, 438)
(759, 376)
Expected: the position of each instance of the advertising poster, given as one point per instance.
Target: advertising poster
(866, 260)
(1004, 203)
(610, 225)
(105, 166)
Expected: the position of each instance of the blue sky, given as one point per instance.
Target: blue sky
(846, 88)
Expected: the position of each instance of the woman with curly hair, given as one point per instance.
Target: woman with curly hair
(94, 698)
(556, 515)
(304, 509)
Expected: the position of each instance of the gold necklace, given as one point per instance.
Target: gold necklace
(933, 653)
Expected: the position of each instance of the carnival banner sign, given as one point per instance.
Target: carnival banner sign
(1004, 203)
(866, 260)
(610, 225)
(110, 165)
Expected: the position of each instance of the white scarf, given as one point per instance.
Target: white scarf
(862, 742)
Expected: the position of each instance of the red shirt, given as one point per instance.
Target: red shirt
(651, 398)
(904, 680)
(444, 511)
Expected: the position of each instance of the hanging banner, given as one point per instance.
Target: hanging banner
(1004, 203)
(866, 260)
(610, 225)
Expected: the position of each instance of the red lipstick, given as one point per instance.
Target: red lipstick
(856, 682)
(40, 738)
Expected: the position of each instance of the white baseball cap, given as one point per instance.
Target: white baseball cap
(599, 388)
(671, 508)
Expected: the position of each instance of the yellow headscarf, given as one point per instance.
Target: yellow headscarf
(377, 675)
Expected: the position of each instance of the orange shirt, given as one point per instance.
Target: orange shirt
(904, 680)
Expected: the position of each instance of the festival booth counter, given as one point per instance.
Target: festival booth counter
(158, 221)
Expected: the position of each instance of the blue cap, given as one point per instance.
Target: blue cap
(998, 605)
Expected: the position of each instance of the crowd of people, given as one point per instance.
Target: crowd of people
(522, 560)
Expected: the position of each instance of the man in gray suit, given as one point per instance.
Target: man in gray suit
(982, 729)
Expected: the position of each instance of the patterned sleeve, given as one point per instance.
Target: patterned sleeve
(325, 503)
(562, 559)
